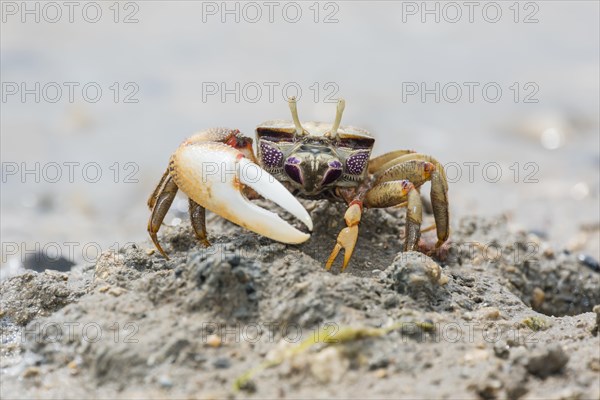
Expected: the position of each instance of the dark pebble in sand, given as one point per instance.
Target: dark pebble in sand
(222, 363)
(40, 261)
(589, 262)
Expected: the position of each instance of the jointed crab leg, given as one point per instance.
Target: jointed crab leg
(416, 171)
(160, 205)
(376, 164)
(198, 220)
(154, 195)
(396, 177)
(391, 193)
(393, 167)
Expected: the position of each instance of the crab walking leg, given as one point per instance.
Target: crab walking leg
(438, 193)
(416, 171)
(162, 203)
(198, 220)
(439, 203)
(376, 163)
(154, 195)
(214, 176)
(347, 237)
(391, 193)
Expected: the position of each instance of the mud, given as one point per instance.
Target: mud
(496, 313)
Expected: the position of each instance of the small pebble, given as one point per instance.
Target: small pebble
(222, 363)
(488, 313)
(31, 372)
(537, 298)
(443, 280)
(501, 349)
(381, 373)
(589, 262)
(73, 367)
(116, 291)
(165, 382)
(548, 252)
(477, 260)
(213, 340)
(489, 388)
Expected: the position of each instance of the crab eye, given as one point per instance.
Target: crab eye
(331, 176)
(292, 169)
(270, 155)
(333, 173)
(355, 164)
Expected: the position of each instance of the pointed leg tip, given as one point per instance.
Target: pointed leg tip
(164, 254)
(344, 266)
(158, 246)
(333, 256)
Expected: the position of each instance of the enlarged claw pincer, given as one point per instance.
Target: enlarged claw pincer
(215, 176)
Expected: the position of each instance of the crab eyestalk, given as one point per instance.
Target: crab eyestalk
(294, 109)
(338, 118)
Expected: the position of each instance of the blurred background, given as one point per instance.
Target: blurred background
(97, 95)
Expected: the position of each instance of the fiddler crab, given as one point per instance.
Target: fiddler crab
(218, 171)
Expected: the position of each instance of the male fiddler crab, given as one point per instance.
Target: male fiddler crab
(218, 171)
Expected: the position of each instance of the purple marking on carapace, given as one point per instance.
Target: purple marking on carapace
(270, 155)
(356, 163)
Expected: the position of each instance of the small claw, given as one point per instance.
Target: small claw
(346, 240)
(347, 237)
(213, 175)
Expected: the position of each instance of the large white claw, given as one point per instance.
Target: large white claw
(211, 174)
